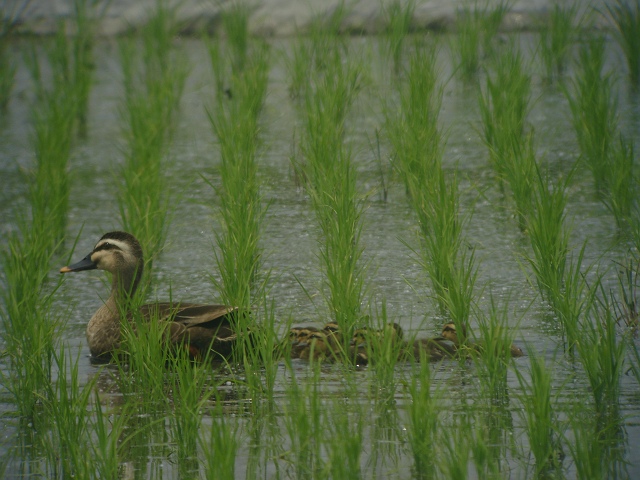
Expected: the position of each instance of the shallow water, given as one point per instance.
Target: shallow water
(290, 241)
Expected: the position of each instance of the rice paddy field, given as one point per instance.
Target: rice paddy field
(480, 177)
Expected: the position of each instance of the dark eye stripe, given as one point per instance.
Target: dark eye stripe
(106, 246)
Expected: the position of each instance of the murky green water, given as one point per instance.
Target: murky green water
(290, 242)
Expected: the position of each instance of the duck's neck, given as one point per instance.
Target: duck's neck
(103, 330)
(124, 285)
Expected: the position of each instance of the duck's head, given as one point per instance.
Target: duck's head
(333, 332)
(450, 333)
(293, 334)
(115, 252)
(360, 336)
(393, 331)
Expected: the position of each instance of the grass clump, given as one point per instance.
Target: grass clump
(625, 16)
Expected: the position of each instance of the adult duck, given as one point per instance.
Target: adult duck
(197, 326)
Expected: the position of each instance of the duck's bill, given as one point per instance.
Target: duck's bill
(85, 264)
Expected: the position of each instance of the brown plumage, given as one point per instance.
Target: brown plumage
(200, 327)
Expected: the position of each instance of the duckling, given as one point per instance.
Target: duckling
(334, 334)
(301, 338)
(369, 345)
(449, 332)
(199, 327)
(393, 331)
(318, 347)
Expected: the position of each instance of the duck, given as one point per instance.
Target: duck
(202, 328)
(368, 345)
(434, 349)
(449, 332)
(318, 346)
(298, 337)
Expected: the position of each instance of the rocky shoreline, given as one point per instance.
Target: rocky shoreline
(268, 18)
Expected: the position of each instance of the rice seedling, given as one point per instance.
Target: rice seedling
(601, 352)
(325, 33)
(7, 66)
(476, 27)
(83, 61)
(297, 66)
(108, 439)
(67, 408)
(548, 235)
(621, 194)
(412, 127)
(495, 344)
(596, 447)
(417, 152)
(221, 443)
(50, 182)
(236, 128)
(398, 17)
(504, 105)
(152, 97)
(467, 42)
(423, 425)
(557, 36)
(330, 175)
(303, 423)
(191, 390)
(625, 16)
(235, 22)
(343, 439)
(30, 330)
(455, 443)
(594, 111)
(538, 414)
(30, 327)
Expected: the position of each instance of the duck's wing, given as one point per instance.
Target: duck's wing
(190, 314)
